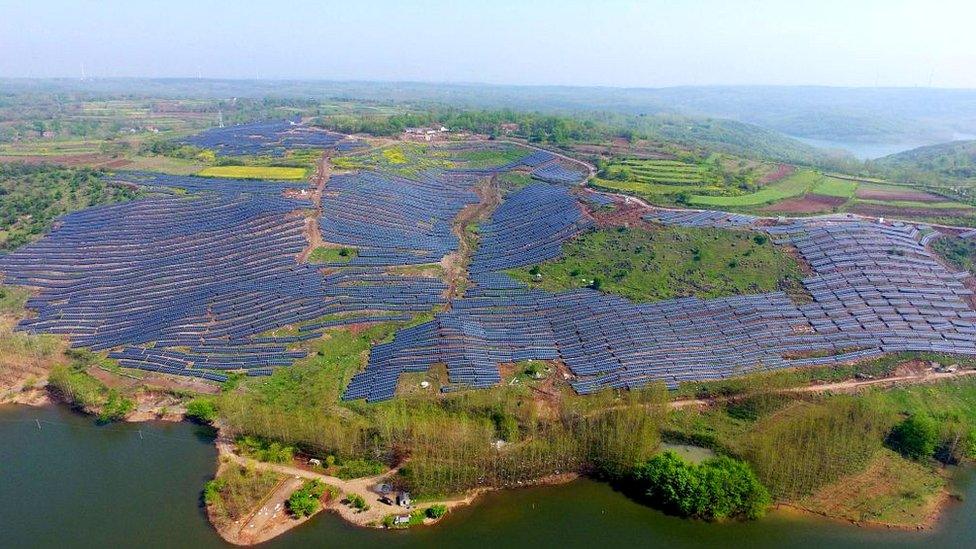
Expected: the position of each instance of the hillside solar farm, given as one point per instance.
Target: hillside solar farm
(207, 276)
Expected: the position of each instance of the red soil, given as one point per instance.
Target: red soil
(906, 195)
(811, 203)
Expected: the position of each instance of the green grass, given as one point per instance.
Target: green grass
(484, 158)
(651, 190)
(662, 264)
(324, 254)
(831, 186)
(795, 185)
(254, 172)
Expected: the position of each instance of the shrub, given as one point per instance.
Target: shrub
(203, 410)
(915, 437)
(436, 511)
(264, 450)
(715, 489)
(211, 490)
(306, 500)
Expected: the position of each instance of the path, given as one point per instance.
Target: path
(360, 486)
(323, 172)
(849, 386)
(261, 524)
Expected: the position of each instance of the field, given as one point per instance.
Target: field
(673, 179)
(254, 172)
(663, 264)
(656, 171)
(832, 186)
(794, 185)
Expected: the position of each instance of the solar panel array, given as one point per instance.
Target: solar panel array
(187, 285)
(554, 172)
(693, 218)
(393, 220)
(267, 138)
(529, 227)
(875, 289)
(531, 160)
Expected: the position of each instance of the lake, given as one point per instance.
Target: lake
(871, 151)
(71, 483)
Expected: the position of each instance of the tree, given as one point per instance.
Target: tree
(915, 437)
(712, 490)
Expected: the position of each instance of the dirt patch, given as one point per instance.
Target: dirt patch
(810, 203)
(906, 195)
(626, 213)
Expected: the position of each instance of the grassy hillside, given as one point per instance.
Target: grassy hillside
(662, 264)
(32, 197)
(950, 165)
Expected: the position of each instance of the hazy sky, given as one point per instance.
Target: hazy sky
(615, 43)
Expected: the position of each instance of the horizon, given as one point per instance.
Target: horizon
(626, 44)
(467, 83)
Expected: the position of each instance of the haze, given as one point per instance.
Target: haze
(653, 43)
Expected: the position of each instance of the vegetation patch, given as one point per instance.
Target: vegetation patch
(32, 197)
(794, 185)
(236, 491)
(714, 489)
(77, 387)
(307, 500)
(959, 252)
(891, 490)
(254, 172)
(645, 265)
(326, 254)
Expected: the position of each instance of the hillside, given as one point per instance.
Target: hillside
(955, 160)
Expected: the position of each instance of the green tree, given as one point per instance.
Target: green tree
(915, 437)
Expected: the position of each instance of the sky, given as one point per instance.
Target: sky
(651, 43)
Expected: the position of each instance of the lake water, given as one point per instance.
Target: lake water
(872, 151)
(74, 484)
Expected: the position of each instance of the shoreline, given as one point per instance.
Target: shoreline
(41, 397)
(932, 521)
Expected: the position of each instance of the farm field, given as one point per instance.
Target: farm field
(794, 185)
(254, 172)
(670, 181)
(646, 265)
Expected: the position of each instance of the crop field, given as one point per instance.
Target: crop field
(656, 171)
(795, 185)
(664, 264)
(254, 172)
(831, 186)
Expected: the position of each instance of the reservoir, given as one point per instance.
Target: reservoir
(67, 482)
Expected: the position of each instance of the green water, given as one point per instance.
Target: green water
(74, 484)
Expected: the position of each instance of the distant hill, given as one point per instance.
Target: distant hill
(871, 115)
(955, 160)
